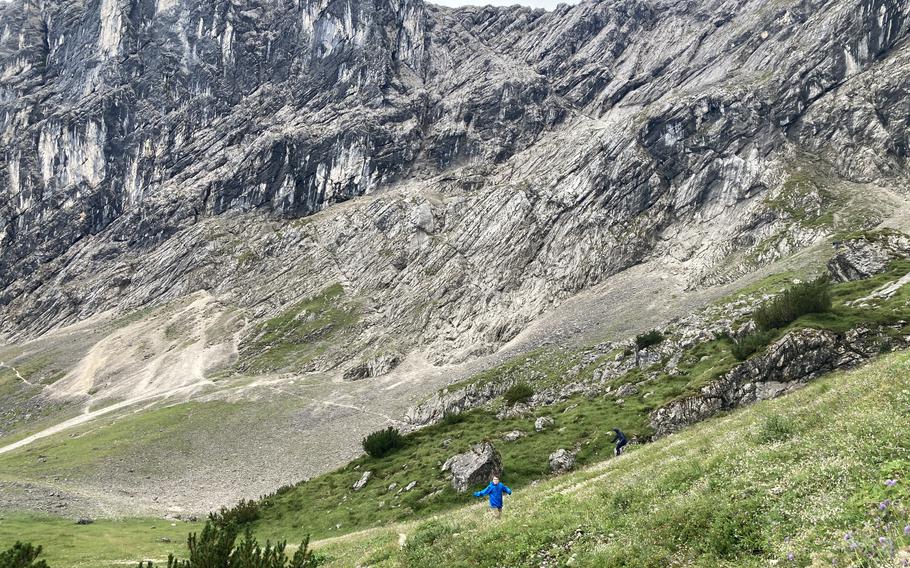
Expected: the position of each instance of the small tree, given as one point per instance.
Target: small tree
(217, 547)
(646, 340)
(383, 442)
(519, 392)
(811, 297)
(751, 343)
(22, 555)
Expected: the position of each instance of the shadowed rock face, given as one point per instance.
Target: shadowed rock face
(790, 363)
(510, 157)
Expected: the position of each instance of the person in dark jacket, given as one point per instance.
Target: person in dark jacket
(620, 440)
(495, 490)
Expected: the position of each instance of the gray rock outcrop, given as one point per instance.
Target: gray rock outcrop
(453, 402)
(513, 435)
(154, 149)
(473, 467)
(868, 255)
(373, 367)
(542, 423)
(362, 482)
(789, 363)
(561, 461)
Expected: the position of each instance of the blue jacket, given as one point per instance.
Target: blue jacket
(495, 492)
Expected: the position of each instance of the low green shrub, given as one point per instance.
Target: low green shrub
(519, 392)
(452, 418)
(775, 428)
(811, 297)
(242, 513)
(217, 546)
(22, 555)
(750, 344)
(383, 442)
(648, 339)
(718, 528)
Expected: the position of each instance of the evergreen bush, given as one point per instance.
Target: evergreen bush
(243, 513)
(383, 442)
(811, 297)
(751, 343)
(519, 392)
(646, 340)
(217, 547)
(22, 555)
(452, 418)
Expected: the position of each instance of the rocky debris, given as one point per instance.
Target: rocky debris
(513, 435)
(374, 367)
(868, 255)
(789, 363)
(542, 423)
(84, 521)
(410, 486)
(361, 483)
(625, 390)
(446, 402)
(514, 411)
(561, 461)
(473, 467)
(392, 487)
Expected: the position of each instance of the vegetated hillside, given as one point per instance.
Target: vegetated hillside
(791, 476)
(328, 210)
(647, 388)
(806, 475)
(650, 385)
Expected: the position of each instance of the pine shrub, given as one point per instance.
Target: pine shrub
(519, 392)
(217, 547)
(648, 339)
(453, 418)
(383, 442)
(751, 343)
(242, 513)
(811, 297)
(22, 555)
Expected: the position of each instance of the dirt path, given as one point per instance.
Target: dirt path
(18, 375)
(89, 416)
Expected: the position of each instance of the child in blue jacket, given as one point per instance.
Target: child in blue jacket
(495, 490)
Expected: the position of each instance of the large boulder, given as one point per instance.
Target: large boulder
(867, 255)
(561, 461)
(474, 467)
(543, 423)
(361, 483)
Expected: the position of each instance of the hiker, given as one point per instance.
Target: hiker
(495, 490)
(620, 440)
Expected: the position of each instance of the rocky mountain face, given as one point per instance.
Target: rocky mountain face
(458, 172)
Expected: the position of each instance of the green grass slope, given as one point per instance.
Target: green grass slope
(325, 506)
(786, 477)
